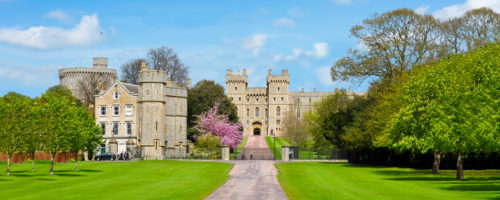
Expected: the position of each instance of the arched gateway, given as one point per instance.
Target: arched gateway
(257, 128)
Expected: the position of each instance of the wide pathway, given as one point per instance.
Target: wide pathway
(251, 179)
(256, 149)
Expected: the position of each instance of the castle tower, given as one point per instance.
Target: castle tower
(277, 86)
(236, 88)
(151, 102)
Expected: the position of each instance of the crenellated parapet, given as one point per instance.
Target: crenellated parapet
(284, 77)
(236, 78)
(147, 75)
(256, 91)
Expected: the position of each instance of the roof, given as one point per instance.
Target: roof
(131, 89)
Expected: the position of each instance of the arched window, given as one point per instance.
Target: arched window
(278, 89)
(257, 112)
(278, 111)
(248, 112)
(116, 95)
(266, 113)
(298, 112)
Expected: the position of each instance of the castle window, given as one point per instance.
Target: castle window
(103, 110)
(248, 112)
(248, 100)
(129, 109)
(231, 98)
(278, 122)
(129, 128)
(116, 95)
(115, 128)
(256, 112)
(298, 112)
(278, 111)
(281, 99)
(266, 113)
(309, 100)
(278, 89)
(257, 99)
(116, 110)
(103, 127)
(274, 99)
(236, 89)
(239, 99)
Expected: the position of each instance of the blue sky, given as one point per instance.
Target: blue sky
(306, 37)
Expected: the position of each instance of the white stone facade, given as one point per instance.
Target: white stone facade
(262, 109)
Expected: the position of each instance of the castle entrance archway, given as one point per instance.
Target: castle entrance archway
(257, 128)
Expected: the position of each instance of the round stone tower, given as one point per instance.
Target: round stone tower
(152, 110)
(70, 77)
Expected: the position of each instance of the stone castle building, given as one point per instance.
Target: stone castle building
(263, 109)
(148, 120)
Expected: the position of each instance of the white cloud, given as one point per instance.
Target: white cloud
(460, 9)
(29, 76)
(254, 42)
(284, 22)
(343, 2)
(42, 37)
(422, 9)
(59, 15)
(320, 50)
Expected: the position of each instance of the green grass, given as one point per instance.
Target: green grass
(313, 180)
(240, 147)
(279, 142)
(114, 180)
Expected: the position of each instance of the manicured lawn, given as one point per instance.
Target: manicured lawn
(313, 180)
(240, 147)
(114, 180)
(279, 142)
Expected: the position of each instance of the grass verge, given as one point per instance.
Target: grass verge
(315, 180)
(115, 180)
(279, 142)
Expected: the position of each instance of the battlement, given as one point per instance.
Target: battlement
(147, 75)
(236, 78)
(284, 77)
(257, 91)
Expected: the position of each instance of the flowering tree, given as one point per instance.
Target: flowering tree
(218, 125)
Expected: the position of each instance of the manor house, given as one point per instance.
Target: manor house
(148, 120)
(262, 110)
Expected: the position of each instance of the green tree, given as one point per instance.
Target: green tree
(452, 107)
(395, 41)
(293, 127)
(82, 131)
(32, 134)
(13, 113)
(331, 116)
(57, 121)
(204, 95)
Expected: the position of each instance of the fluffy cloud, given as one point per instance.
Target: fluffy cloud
(422, 9)
(254, 43)
(59, 15)
(343, 2)
(320, 50)
(42, 37)
(284, 22)
(459, 9)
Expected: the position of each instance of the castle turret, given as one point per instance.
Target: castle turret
(151, 113)
(277, 86)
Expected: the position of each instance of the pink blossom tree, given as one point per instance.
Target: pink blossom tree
(218, 125)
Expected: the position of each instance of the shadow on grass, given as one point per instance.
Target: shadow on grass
(477, 187)
(90, 170)
(45, 179)
(69, 175)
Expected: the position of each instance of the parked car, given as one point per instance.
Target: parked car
(106, 156)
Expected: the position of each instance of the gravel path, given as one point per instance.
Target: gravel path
(251, 179)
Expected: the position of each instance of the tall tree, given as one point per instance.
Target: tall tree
(166, 59)
(204, 95)
(452, 107)
(83, 129)
(394, 42)
(130, 70)
(32, 134)
(13, 109)
(479, 27)
(55, 106)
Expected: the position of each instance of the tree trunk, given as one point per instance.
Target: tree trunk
(52, 163)
(90, 154)
(76, 161)
(460, 166)
(8, 164)
(437, 161)
(32, 161)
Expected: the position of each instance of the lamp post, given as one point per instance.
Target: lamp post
(274, 141)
